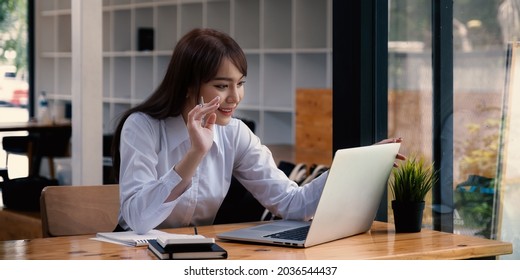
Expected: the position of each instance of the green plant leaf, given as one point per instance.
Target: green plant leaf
(412, 180)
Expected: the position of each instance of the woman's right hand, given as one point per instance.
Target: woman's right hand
(201, 120)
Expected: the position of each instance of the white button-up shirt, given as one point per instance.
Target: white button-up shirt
(150, 148)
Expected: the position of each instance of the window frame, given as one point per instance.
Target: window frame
(360, 87)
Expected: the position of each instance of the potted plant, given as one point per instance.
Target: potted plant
(410, 183)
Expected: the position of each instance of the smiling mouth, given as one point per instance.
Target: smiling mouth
(224, 110)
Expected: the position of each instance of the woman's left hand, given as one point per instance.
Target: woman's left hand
(394, 140)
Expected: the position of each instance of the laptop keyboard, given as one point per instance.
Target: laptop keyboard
(291, 234)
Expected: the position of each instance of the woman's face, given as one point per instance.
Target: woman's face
(229, 85)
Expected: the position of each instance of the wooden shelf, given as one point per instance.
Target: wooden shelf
(288, 44)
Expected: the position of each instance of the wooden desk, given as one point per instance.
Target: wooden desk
(380, 242)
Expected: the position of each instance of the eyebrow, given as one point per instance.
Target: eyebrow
(226, 79)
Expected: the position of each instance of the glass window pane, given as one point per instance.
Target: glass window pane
(482, 113)
(479, 72)
(410, 82)
(14, 87)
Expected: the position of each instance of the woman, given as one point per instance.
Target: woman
(175, 155)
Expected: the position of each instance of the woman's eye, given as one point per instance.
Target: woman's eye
(241, 83)
(221, 86)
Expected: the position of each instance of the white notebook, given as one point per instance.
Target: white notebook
(131, 238)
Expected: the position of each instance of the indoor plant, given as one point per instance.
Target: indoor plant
(410, 183)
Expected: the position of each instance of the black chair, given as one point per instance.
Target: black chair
(37, 145)
(4, 175)
(20, 145)
(108, 172)
(239, 205)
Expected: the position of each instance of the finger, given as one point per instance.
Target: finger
(215, 100)
(208, 107)
(385, 141)
(210, 120)
(202, 110)
(400, 157)
(393, 140)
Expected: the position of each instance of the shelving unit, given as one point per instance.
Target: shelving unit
(288, 44)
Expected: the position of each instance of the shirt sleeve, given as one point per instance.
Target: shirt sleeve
(256, 169)
(142, 192)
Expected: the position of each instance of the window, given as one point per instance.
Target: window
(14, 74)
(482, 32)
(475, 193)
(410, 82)
(13, 54)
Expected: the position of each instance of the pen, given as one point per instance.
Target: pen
(201, 104)
(195, 229)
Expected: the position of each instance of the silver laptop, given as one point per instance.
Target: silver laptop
(348, 204)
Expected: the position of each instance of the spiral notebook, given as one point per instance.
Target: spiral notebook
(131, 238)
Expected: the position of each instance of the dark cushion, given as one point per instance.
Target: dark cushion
(17, 144)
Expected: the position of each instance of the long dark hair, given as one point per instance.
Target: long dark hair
(195, 60)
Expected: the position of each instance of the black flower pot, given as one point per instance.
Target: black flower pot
(408, 216)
